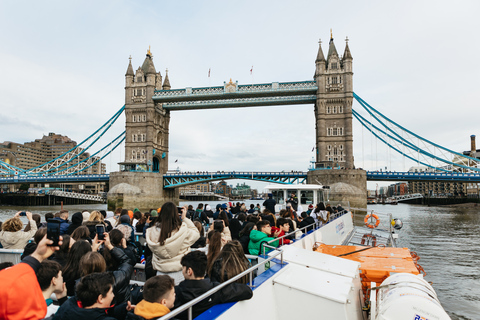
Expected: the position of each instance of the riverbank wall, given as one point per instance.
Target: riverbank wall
(21, 199)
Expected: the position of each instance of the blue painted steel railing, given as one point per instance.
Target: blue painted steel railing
(58, 179)
(423, 176)
(173, 180)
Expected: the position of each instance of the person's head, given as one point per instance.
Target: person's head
(118, 211)
(283, 224)
(194, 265)
(104, 213)
(304, 215)
(81, 232)
(200, 228)
(125, 219)
(233, 261)
(124, 212)
(219, 225)
(169, 221)
(95, 216)
(200, 206)
(137, 215)
(71, 270)
(95, 290)
(64, 214)
(242, 217)
(249, 226)
(223, 216)
(49, 215)
(320, 206)
(12, 225)
(264, 226)
(65, 247)
(243, 208)
(190, 207)
(92, 262)
(160, 289)
(40, 234)
(49, 275)
(77, 218)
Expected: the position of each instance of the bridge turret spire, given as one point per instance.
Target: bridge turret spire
(320, 56)
(130, 68)
(148, 67)
(331, 48)
(166, 82)
(347, 54)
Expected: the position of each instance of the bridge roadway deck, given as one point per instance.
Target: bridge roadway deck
(173, 180)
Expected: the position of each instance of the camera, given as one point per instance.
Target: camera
(53, 231)
(100, 229)
(180, 209)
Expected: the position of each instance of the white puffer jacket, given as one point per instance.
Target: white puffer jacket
(167, 258)
(18, 239)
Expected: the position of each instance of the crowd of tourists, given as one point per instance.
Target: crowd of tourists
(186, 253)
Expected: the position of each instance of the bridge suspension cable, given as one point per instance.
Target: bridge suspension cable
(412, 145)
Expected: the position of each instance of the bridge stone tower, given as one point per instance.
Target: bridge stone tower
(146, 124)
(334, 132)
(139, 184)
(333, 109)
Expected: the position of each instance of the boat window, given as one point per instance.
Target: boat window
(306, 197)
(278, 196)
(320, 196)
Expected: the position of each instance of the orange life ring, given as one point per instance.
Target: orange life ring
(367, 223)
(366, 237)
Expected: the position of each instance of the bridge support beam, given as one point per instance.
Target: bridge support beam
(345, 185)
(142, 190)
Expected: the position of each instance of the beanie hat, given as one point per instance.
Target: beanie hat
(208, 208)
(154, 213)
(125, 219)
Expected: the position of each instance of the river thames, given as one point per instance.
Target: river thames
(447, 239)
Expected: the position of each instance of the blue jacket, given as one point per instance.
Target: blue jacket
(63, 226)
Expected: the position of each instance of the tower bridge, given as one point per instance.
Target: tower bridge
(144, 180)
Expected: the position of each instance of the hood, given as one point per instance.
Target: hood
(256, 235)
(77, 218)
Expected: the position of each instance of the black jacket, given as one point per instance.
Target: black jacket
(122, 275)
(305, 222)
(244, 240)
(71, 311)
(270, 205)
(188, 290)
(235, 227)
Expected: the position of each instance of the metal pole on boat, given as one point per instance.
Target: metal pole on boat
(190, 313)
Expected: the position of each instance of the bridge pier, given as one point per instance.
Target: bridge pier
(142, 190)
(345, 184)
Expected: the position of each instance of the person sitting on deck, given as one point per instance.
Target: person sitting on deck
(259, 237)
(49, 276)
(306, 221)
(158, 299)
(280, 230)
(194, 265)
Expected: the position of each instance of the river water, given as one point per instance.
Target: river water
(447, 239)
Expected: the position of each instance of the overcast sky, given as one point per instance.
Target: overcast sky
(63, 65)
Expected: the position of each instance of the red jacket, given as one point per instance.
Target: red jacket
(282, 241)
(20, 293)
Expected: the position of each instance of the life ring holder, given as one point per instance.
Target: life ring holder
(366, 239)
(367, 222)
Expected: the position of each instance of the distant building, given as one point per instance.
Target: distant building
(222, 188)
(35, 153)
(397, 189)
(196, 188)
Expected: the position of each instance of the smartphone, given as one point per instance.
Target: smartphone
(100, 228)
(23, 214)
(180, 209)
(53, 231)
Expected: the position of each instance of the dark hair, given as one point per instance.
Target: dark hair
(64, 248)
(223, 216)
(81, 233)
(48, 269)
(116, 237)
(93, 285)
(242, 217)
(233, 262)
(252, 206)
(104, 213)
(137, 215)
(5, 265)
(218, 225)
(197, 261)
(157, 288)
(92, 262)
(304, 214)
(281, 222)
(214, 247)
(253, 218)
(124, 212)
(71, 270)
(48, 215)
(36, 218)
(200, 206)
(261, 224)
(169, 221)
(39, 235)
(246, 229)
(319, 207)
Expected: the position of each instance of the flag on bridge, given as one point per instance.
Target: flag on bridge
(176, 161)
(313, 149)
(209, 72)
(251, 70)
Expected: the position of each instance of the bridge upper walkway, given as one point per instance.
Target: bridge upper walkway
(173, 180)
(232, 95)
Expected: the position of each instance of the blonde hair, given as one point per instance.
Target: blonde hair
(95, 216)
(12, 225)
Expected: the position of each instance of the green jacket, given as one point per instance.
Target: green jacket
(257, 238)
